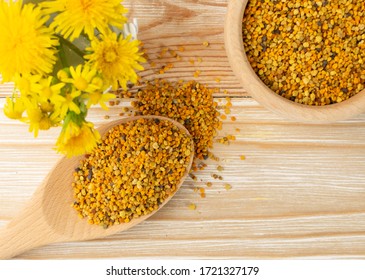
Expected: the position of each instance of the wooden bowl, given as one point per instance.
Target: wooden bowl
(264, 95)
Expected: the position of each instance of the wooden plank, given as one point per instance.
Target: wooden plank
(299, 194)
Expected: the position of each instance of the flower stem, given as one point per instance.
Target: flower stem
(62, 56)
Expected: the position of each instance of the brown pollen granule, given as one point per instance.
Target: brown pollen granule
(134, 169)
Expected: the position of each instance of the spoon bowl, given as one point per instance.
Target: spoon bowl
(49, 216)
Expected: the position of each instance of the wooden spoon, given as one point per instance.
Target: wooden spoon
(49, 216)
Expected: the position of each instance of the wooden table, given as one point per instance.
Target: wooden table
(300, 193)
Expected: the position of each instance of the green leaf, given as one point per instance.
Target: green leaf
(70, 53)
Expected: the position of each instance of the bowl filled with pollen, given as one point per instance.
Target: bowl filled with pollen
(304, 60)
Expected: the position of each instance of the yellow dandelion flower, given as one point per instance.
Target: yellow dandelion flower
(14, 107)
(77, 140)
(26, 43)
(82, 77)
(116, 58)
(69, 104)
(76, 16)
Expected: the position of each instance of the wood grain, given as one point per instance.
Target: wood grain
(48, 216)
(300, 193)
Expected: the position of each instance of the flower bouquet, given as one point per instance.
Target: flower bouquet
(63, 57)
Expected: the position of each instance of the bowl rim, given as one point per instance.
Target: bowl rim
(265, 96)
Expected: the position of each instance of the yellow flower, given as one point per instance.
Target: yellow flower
(50, 92)
(82, 78)
(55, 118)
(46, 107)
(75, 140)
(28, 85)
(34, 118)
(117, 59)
(45, 123)
(14, 108)
(26, 44)
(100, 98)
(76, 16)
(68, 104)
(62, 75)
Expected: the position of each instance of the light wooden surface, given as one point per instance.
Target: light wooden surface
(48, 216)
(300, 193)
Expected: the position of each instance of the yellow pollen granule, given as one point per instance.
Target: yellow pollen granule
(227, 187)
(192, 206)
(134, 169)
(197, 73)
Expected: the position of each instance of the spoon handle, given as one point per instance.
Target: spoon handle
(26, 231)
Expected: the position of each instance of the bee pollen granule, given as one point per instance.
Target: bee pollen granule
(134, 169)
(310, 52)
(189, 103)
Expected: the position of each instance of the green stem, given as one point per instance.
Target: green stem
(62, 56)
(71, 46)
